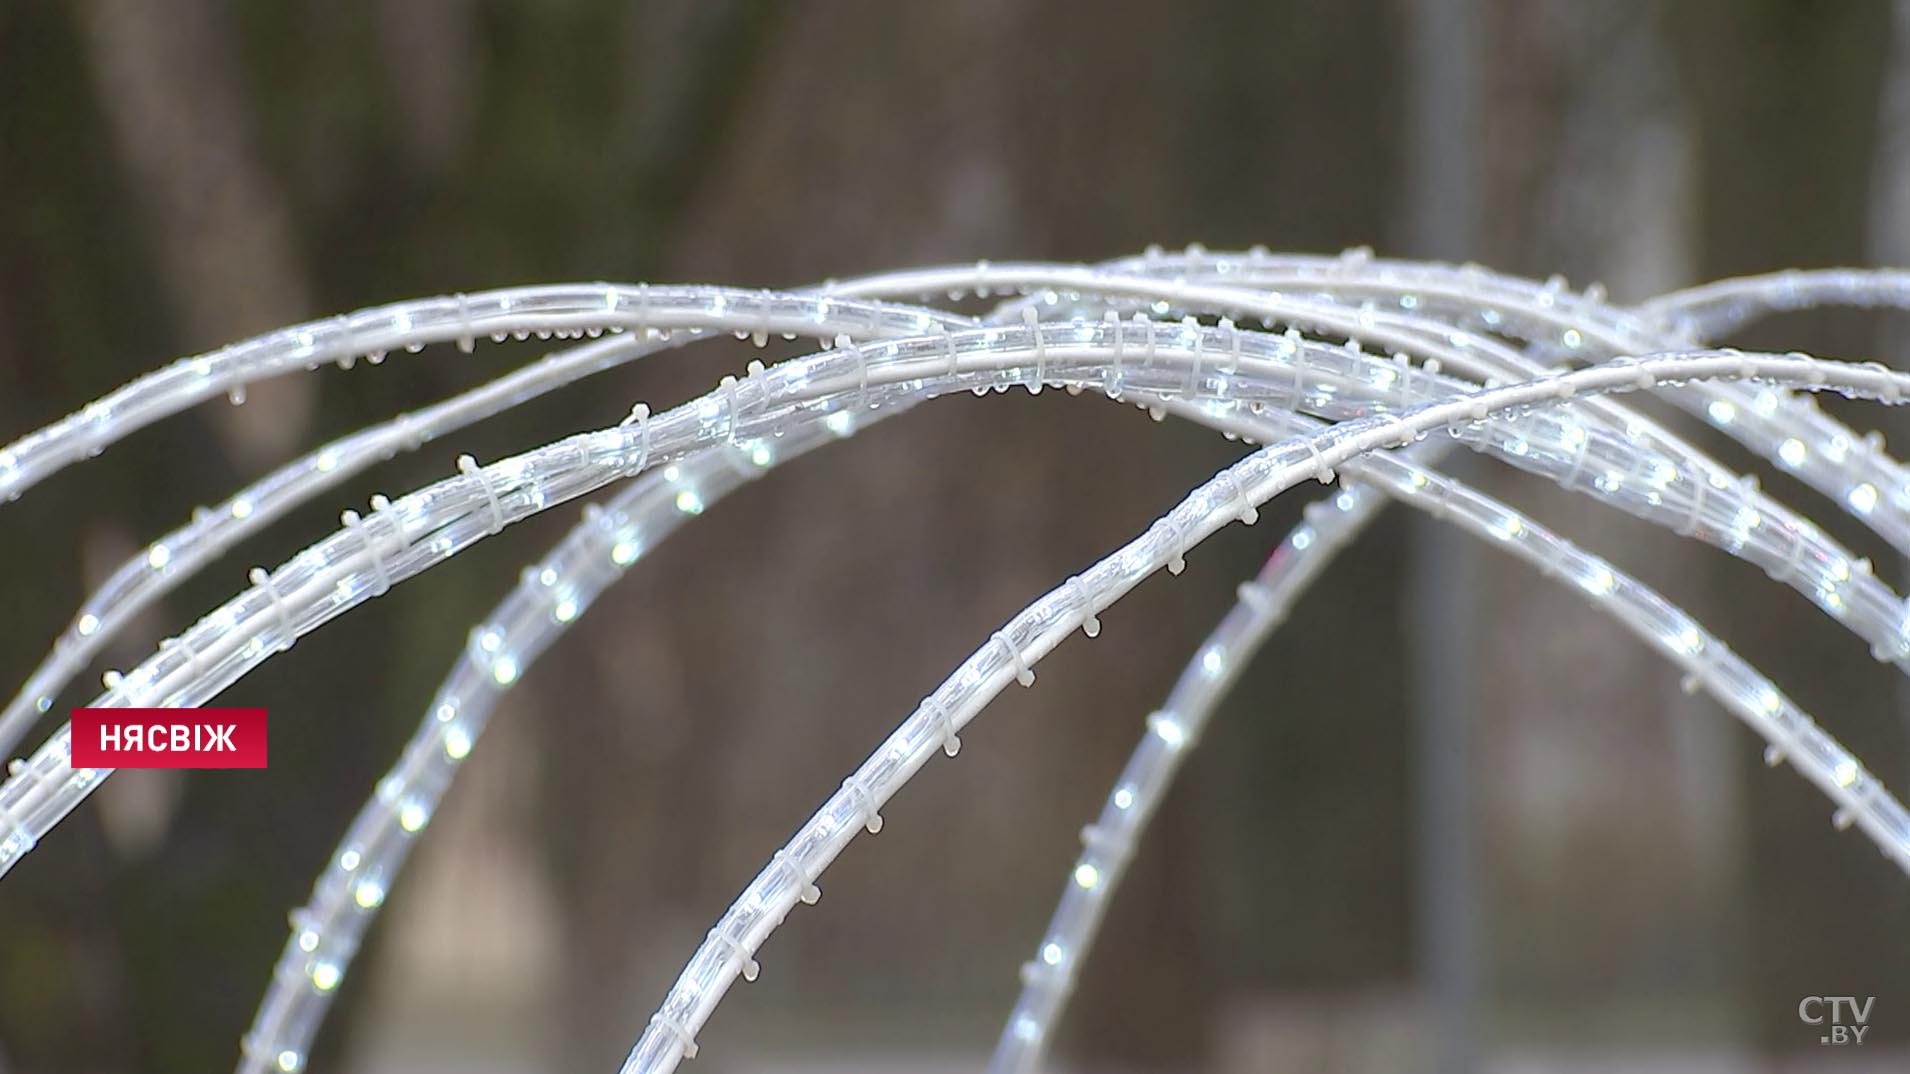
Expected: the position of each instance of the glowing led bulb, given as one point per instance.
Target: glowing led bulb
(325, 976)
(1168, 728)
(1086, 876)
(1863, 498)
(457, 743)
(412, 816)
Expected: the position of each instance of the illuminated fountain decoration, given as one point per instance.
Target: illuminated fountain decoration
(1341, 368)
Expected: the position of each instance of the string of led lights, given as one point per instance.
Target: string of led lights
(356, 563)
(1823, 456)
(1012, 652)
(550, 598)
(1769, 423)
(882, 358)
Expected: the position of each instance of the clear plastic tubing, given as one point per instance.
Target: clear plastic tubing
(177, 556)
(1769, 424)
(549, 599)
(1853, 471)
(170, 560)
(1109, 841)
(401, 538)
(1012, 652)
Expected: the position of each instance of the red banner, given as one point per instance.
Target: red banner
(169, 738)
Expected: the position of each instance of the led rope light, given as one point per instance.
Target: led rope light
(766, 902)
(1241, 383)
(171, 559)
(329, 578)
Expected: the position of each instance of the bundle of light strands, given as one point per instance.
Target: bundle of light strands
(1345, 368)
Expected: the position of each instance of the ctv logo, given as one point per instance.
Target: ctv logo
(169, 738)
(1844, 1019)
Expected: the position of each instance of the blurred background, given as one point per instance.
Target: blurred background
(1453, 819)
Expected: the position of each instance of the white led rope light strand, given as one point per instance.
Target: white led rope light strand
(371, 547)
(1851, 470)
(177, 555)
(767, 900)
(328, 578)
(1263, 603)
(564, 311)
(488, 494)
(170, 560)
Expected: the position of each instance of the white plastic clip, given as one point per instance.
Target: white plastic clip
(1249, 514)
(1104, 845)
(1112, 387)
(761, 336)
(411, 432)
(738, 953)
(640, 417)
(1033, 324)
(1233, 345)
(676, 1029)
(1321, 471)
(1889, 388)
(951, 743)
(843, 342)
(806, 888)
(1090, 622)
(352, 522)
(949, 352)
(193, 661)
(469, 467)
(1177, 562)
(466, 340)
(871, 819)
(1403, 436)
(1256, 596)
(1024, 674)
(1702, 483)
(643, 309)
(260, 578)
(728, 384)
(1200, 351)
